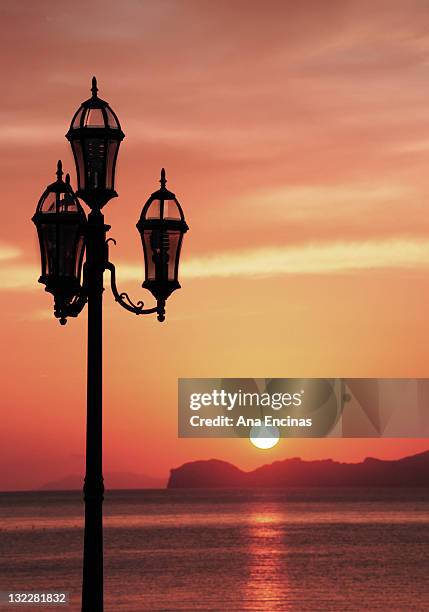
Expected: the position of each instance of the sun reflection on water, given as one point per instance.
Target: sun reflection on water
(267, 581)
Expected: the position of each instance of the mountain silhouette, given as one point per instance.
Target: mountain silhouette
(113, 480)
(410, 471)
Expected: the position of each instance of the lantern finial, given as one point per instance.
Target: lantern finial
(163, 180)
(94, 87)
(68, 178)
(59, 170)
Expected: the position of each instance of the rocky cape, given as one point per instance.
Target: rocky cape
(410, 471)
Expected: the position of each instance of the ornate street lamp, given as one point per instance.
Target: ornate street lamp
(60, 221)
(95, 135)
(65, 234)
(161, 226)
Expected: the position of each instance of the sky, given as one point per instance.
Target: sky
(295, 136)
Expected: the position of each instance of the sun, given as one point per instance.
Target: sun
(264, 437)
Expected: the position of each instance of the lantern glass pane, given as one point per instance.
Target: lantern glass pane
(63, 246)
(154, 210)
(78, 155)
(95, 150)
(49, 203)
(171, 210)
(148, 255)
(80, 247)
(59, 202)
(94, 118)
(78, 118)
(111, 156)
(111, 119)
(172, 243)
(48, 242)
(149, 264)
(68, 204)
(68, 245)
(161, 250)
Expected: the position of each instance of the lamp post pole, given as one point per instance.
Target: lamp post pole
(93, 491)
(64, 234)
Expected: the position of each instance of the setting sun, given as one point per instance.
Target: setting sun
(264, 437)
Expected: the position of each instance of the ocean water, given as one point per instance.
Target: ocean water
(294, 550)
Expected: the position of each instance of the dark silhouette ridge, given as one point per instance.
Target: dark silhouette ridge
(114, 480)
(410, 471)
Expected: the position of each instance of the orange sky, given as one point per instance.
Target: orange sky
(296, 136)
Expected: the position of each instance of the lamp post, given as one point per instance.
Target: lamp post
(65, 236)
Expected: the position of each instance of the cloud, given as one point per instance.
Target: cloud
(327, 258)
(45, 314)
(317, 258)
(416, 146)
(311, 259)
(302, 202)
(18, 276)
(29, 133)
(8, 252)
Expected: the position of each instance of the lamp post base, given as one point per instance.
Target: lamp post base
(92, 589)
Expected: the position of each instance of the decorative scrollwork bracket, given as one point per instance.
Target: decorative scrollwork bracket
(125, 301)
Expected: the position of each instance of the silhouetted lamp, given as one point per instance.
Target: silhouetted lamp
(161, 226)
(66, 236)
(95, 135)
(60, 221)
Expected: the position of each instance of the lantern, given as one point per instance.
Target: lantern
(60, 221)
(95, 135)
(161, 226)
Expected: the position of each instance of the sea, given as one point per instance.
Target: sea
(253, 549)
